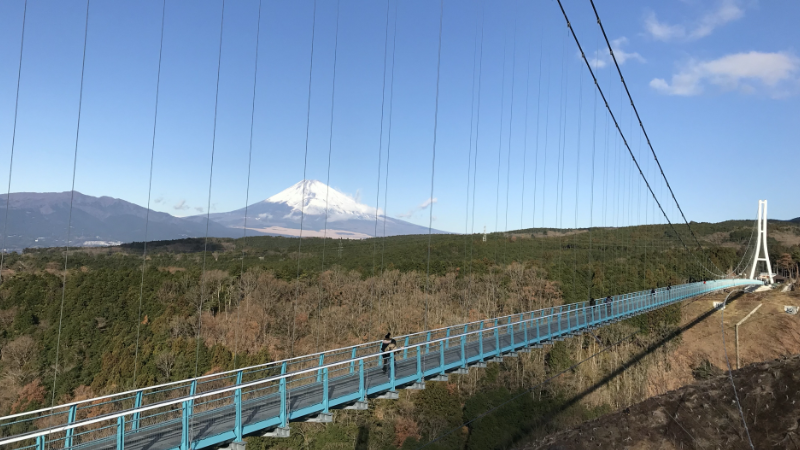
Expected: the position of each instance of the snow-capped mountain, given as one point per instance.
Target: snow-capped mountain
(314, 197)
(346, 217)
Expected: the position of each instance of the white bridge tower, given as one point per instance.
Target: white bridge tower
(761, 241)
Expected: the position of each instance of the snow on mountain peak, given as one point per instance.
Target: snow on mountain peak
(340, 206)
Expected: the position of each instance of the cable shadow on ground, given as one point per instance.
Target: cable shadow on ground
(549, 415)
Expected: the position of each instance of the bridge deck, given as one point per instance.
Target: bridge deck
(166, 417)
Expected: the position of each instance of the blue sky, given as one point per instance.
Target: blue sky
(717, 84)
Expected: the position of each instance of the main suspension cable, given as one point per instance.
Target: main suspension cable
(616, 124)
(641, 125)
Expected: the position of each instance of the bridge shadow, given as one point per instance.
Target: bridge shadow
(549, 415)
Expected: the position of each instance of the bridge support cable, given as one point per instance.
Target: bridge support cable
(305, 167)
(242, 292)
(577, 189)
(71, 201)
(510, 126)
(389, 138)
(208, 205)
(468, 237)
(641, 125)
(477, 140)
(328, 173)
(500, 146)
(525, 145)
(149, 192)
(619, 129)
(538, 123)
(376, 290)
(433, 159)
(13, 139)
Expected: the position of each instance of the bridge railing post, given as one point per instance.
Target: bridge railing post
(325, 396)
(321, 363)
(362, 389)
(237, 400)
(186, 417)
(496, 338)
(392, 375)
(135, 422)
(480, 341)
(524, 327)
(121, 433)
(352, 359)
(447, 341)
(73, 412)
(420, 376)
(40, 443)
(549, 323)
(428, 342)
(441, 355)
(284, 414)
(511, 327)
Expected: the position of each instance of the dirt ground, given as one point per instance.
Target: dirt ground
(701, 416)
(768, 334)
(685, 413)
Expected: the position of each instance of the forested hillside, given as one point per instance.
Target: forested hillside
(257, 299)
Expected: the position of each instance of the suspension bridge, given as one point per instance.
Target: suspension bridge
(221, 409)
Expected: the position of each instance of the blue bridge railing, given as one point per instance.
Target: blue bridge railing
(220, 408)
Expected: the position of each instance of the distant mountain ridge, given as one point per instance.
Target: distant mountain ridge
(40, 219)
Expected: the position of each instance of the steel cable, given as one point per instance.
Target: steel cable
(13, 139)
(149, 192)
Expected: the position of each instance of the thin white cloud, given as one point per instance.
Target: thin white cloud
(181, 206)
(602, 58)
(727, 11)
(422, 206)
(775, 74)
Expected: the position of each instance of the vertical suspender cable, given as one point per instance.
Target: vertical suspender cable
(525, 146)
(380, 153)
(13, 140)
(433, 158)
(577, 189)
(208, 205)
(477, 139)
(71, 198)
(510, 129)
(538, 123)
(247, 190)
(468, 238)
(328, 179)
(389, 139)
(500, 141)
(149, 192)
(305, 166)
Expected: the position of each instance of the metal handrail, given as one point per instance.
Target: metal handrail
(317, 369)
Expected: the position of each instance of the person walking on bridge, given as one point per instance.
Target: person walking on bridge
(387, 345)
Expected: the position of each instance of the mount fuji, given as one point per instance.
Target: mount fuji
(309, 200)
